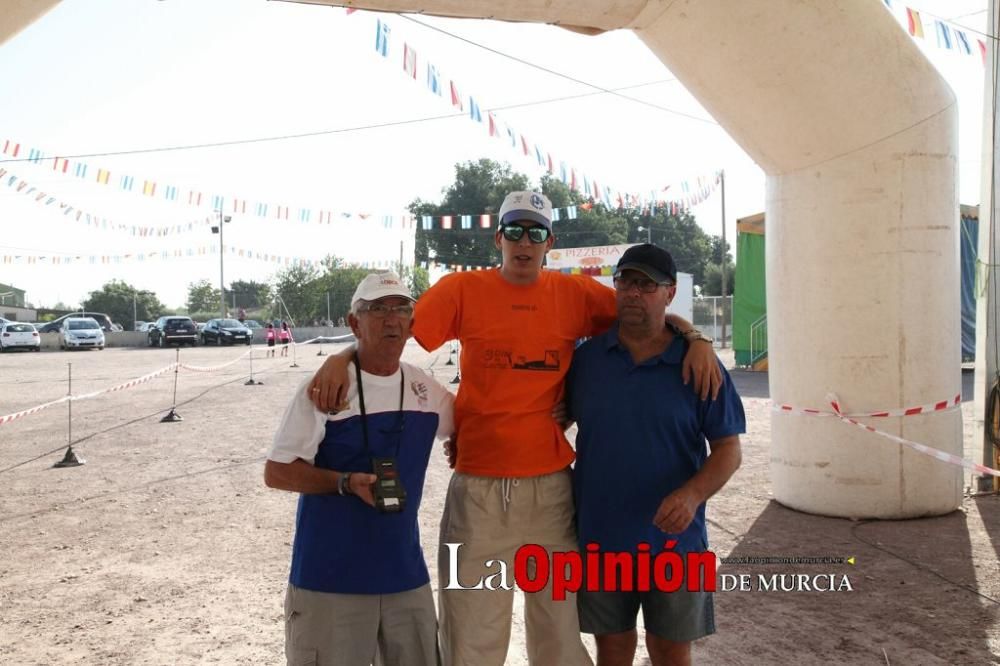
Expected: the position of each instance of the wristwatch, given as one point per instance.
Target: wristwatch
(694, 334)
(344, 485)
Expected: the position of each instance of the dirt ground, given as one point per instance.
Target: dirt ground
(166, 548)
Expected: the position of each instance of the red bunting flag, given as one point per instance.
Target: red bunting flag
(456, 97)
(409, 61)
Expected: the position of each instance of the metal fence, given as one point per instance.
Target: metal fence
(707, 313)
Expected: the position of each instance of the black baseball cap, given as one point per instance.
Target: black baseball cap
(654, 262)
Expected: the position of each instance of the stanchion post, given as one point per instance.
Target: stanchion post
(70, 459)
(173, 416)
(251, 382)
(294, 344)
(321, 352)
(451, 354)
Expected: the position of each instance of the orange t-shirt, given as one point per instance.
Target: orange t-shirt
(517, 342)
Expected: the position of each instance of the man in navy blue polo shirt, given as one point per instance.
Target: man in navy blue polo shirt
(643, 471)
(358, 578)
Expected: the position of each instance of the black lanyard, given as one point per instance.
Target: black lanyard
(398, 428)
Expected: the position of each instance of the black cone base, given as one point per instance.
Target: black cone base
(294, 365)
(171, 417)
(70, 459)
(321, 353)
(251, 382)
(457, 379)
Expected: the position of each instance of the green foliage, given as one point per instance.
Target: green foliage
(202, 297)
(713, 280)
(416, 278)
(248, 294)
(298, 293)
(115, 299)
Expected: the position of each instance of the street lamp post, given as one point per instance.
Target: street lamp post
(649, 233)
(223, 220)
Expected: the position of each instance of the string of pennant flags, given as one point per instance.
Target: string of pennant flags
(946, 36)
(703, 188)
(64, 259)
(44, 198)
(691, 193)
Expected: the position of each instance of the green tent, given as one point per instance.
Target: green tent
(750, 296)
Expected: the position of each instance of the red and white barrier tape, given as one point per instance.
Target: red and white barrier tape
(16, 415)
(129, 384)
(212, 368)
(922, 448)
(916, 446)
(125, 385)
(904, 411)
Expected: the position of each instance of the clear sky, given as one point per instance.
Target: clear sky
(102, 76)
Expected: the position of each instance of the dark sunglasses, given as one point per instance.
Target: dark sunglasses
(514, 233)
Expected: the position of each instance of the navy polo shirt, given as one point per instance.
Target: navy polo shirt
(642, 434)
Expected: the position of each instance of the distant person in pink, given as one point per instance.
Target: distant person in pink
(271, 336)
(285, 336)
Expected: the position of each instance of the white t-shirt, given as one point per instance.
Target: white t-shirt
(303, 426)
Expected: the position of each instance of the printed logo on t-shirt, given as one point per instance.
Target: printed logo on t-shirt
(420, 391)
(546, 361)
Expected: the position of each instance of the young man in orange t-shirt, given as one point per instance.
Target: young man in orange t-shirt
(518, 326)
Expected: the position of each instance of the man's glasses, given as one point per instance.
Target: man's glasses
(513, 233)
(381, 310)
(645, 285)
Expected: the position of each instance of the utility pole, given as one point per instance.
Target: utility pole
(223, 220)
(725, 255)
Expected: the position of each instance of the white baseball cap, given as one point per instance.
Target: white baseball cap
(380, 285)
(526, 207)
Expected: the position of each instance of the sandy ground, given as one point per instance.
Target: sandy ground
(166, 548)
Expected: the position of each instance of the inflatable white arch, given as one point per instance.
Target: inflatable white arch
(856, 133)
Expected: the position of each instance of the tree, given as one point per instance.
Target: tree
(249, 294)
(298, 292)
(713, 280)
(115, 299)
(479, 187)
(202, 297)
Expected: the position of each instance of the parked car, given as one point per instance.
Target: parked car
(80, 332)
(19, 335)
(172, 330)
(253, 324)
(144, 327)
(103, 320)
(225, 332)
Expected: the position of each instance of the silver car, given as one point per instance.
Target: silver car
(80, 333)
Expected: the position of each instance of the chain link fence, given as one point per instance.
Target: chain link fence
(708, 312)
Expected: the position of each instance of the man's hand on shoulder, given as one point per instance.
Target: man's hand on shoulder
(328, 388)
(701, 364)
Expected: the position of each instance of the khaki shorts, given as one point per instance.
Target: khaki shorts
(360, 629)
(492, 518)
